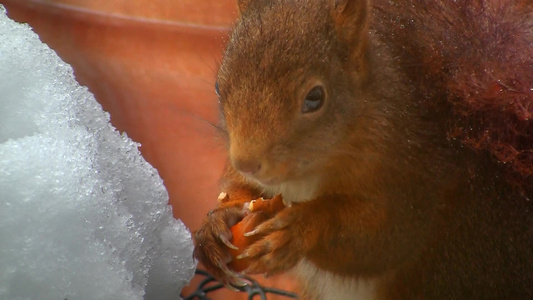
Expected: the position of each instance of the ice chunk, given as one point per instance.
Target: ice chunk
(82, 214)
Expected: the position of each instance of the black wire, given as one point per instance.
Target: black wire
(210, 284)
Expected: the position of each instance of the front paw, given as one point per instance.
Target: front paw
(212, 244)
(283, 242)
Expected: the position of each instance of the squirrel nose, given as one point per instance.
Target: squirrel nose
(247, 166)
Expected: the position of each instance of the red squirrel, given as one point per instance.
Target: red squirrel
(400, 136)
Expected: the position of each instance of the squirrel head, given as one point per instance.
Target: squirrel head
(290, 84)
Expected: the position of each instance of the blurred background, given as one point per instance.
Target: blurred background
(152, 66)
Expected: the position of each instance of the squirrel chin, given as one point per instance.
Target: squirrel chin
(268, 182)
(264, 181)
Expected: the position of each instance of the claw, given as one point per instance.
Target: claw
(227, 270)
(232, 280)
(226, 242)
(250, 233)
(239, 282)
(230, 287)
(242, 255)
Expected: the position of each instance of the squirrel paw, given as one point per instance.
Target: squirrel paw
(212, 244)
(281, 245)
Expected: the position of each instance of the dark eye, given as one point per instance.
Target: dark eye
(314, 99)
(216, 89)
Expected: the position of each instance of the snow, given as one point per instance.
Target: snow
(82, 214)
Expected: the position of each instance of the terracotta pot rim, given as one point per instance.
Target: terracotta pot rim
(116, 19)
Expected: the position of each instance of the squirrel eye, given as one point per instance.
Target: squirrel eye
(216, 89)
(314, 99)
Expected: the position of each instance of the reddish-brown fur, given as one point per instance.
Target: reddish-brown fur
(416, 174)
(478, 58)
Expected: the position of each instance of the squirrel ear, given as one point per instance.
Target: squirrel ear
(351, 22)
(242, 4)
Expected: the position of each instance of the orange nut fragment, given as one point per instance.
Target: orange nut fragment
(269, 206)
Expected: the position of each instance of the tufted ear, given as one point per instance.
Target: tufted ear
(242, 4)
(351, 23)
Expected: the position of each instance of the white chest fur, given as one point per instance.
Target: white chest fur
(296, 191)
(319, 284)
(323, 285)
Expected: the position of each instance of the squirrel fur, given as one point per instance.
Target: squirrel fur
(400, 135)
